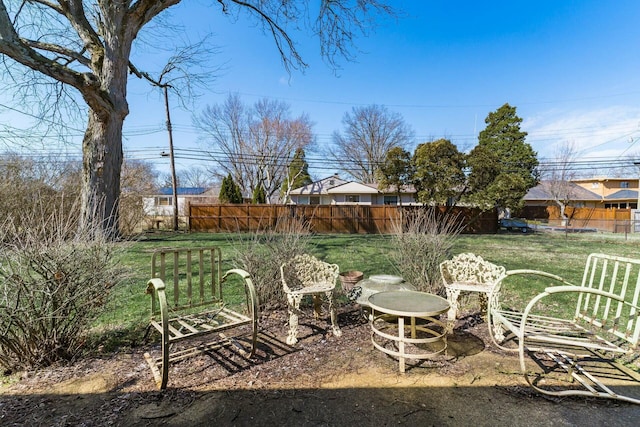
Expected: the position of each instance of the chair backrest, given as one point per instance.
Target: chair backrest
(619, 276)
(470, 269)
(192, 276)
(305, 270)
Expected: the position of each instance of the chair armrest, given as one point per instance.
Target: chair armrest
(498, 285)
(537, 273)
(253, 303)
(154, 285)
(242, 273)
(575, 289)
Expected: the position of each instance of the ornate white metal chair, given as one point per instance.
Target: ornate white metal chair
(306, 275)
(468, 273)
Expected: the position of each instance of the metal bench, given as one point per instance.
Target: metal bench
(468, 273)
(187, 302)
(581, 353)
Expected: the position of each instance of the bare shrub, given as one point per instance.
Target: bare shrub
(422, 239)
(262, 252)
(54, 280)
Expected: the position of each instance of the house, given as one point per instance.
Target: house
(608, 193)
(161, 204)
(621, 193)
(335, 191)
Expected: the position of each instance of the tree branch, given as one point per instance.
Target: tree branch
(19, 50)
(279, 35)
(70, 55)
(143, 11)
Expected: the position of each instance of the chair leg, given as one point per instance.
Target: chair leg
(452, 298)
(334, 317)
(317, 306)
(294, 309)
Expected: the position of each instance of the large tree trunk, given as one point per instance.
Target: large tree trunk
(102, 163)
(102, 143)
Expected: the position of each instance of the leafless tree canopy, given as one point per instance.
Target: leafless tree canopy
(369, 133)
(86, 46)
(559, 176)
(196, 177)
(255, 144)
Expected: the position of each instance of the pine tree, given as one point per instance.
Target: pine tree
(297, 175)
(503, 166)
(230, 191)
(259, 196)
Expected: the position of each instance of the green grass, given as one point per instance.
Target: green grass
(128, 310)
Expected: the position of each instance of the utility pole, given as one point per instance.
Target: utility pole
(174, 181)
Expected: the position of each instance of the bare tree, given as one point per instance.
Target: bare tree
(369, 133)
(180, 76)
(559, 176)
(253, 144)
(138, 180)
(86, 46)
(196, 177)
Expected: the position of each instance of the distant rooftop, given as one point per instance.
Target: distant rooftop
(182, 191)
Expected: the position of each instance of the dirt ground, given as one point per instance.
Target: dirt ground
(322, 381)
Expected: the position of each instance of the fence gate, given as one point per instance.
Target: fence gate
(636, 221)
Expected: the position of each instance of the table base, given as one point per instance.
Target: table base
(415, 337)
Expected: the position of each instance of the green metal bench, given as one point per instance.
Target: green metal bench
(586, 353)
(187, 302)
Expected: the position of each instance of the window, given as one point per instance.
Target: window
(390, 200)
(164, 201)
(624, 184)
(352, 198)
(314, 200)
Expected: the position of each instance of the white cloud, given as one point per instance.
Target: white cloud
(597, 133)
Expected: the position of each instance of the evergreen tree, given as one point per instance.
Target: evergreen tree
(503, 166)
(439, 172)
(297, 175)
(259, 196)
(396, 171)
(229, 191)
(237, 194)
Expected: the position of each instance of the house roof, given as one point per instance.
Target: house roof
(352, 188)
(605, 178)
(392, 189)
(334, 185)
(623, 195)
(182, 191)
(543, 192)
(319, 187)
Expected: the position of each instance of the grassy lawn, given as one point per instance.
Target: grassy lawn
(128, 310)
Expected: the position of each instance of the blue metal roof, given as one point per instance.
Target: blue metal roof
(182, 191)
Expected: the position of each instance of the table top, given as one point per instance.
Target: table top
(370, 286)
(408, 303)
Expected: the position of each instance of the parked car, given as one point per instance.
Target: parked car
(515, 224)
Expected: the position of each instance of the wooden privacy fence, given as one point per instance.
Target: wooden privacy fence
(612, 220)
(322, 218)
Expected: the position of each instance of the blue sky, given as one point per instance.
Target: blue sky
(572, 69)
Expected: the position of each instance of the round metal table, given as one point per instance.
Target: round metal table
(380, 283)
(426, 334)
